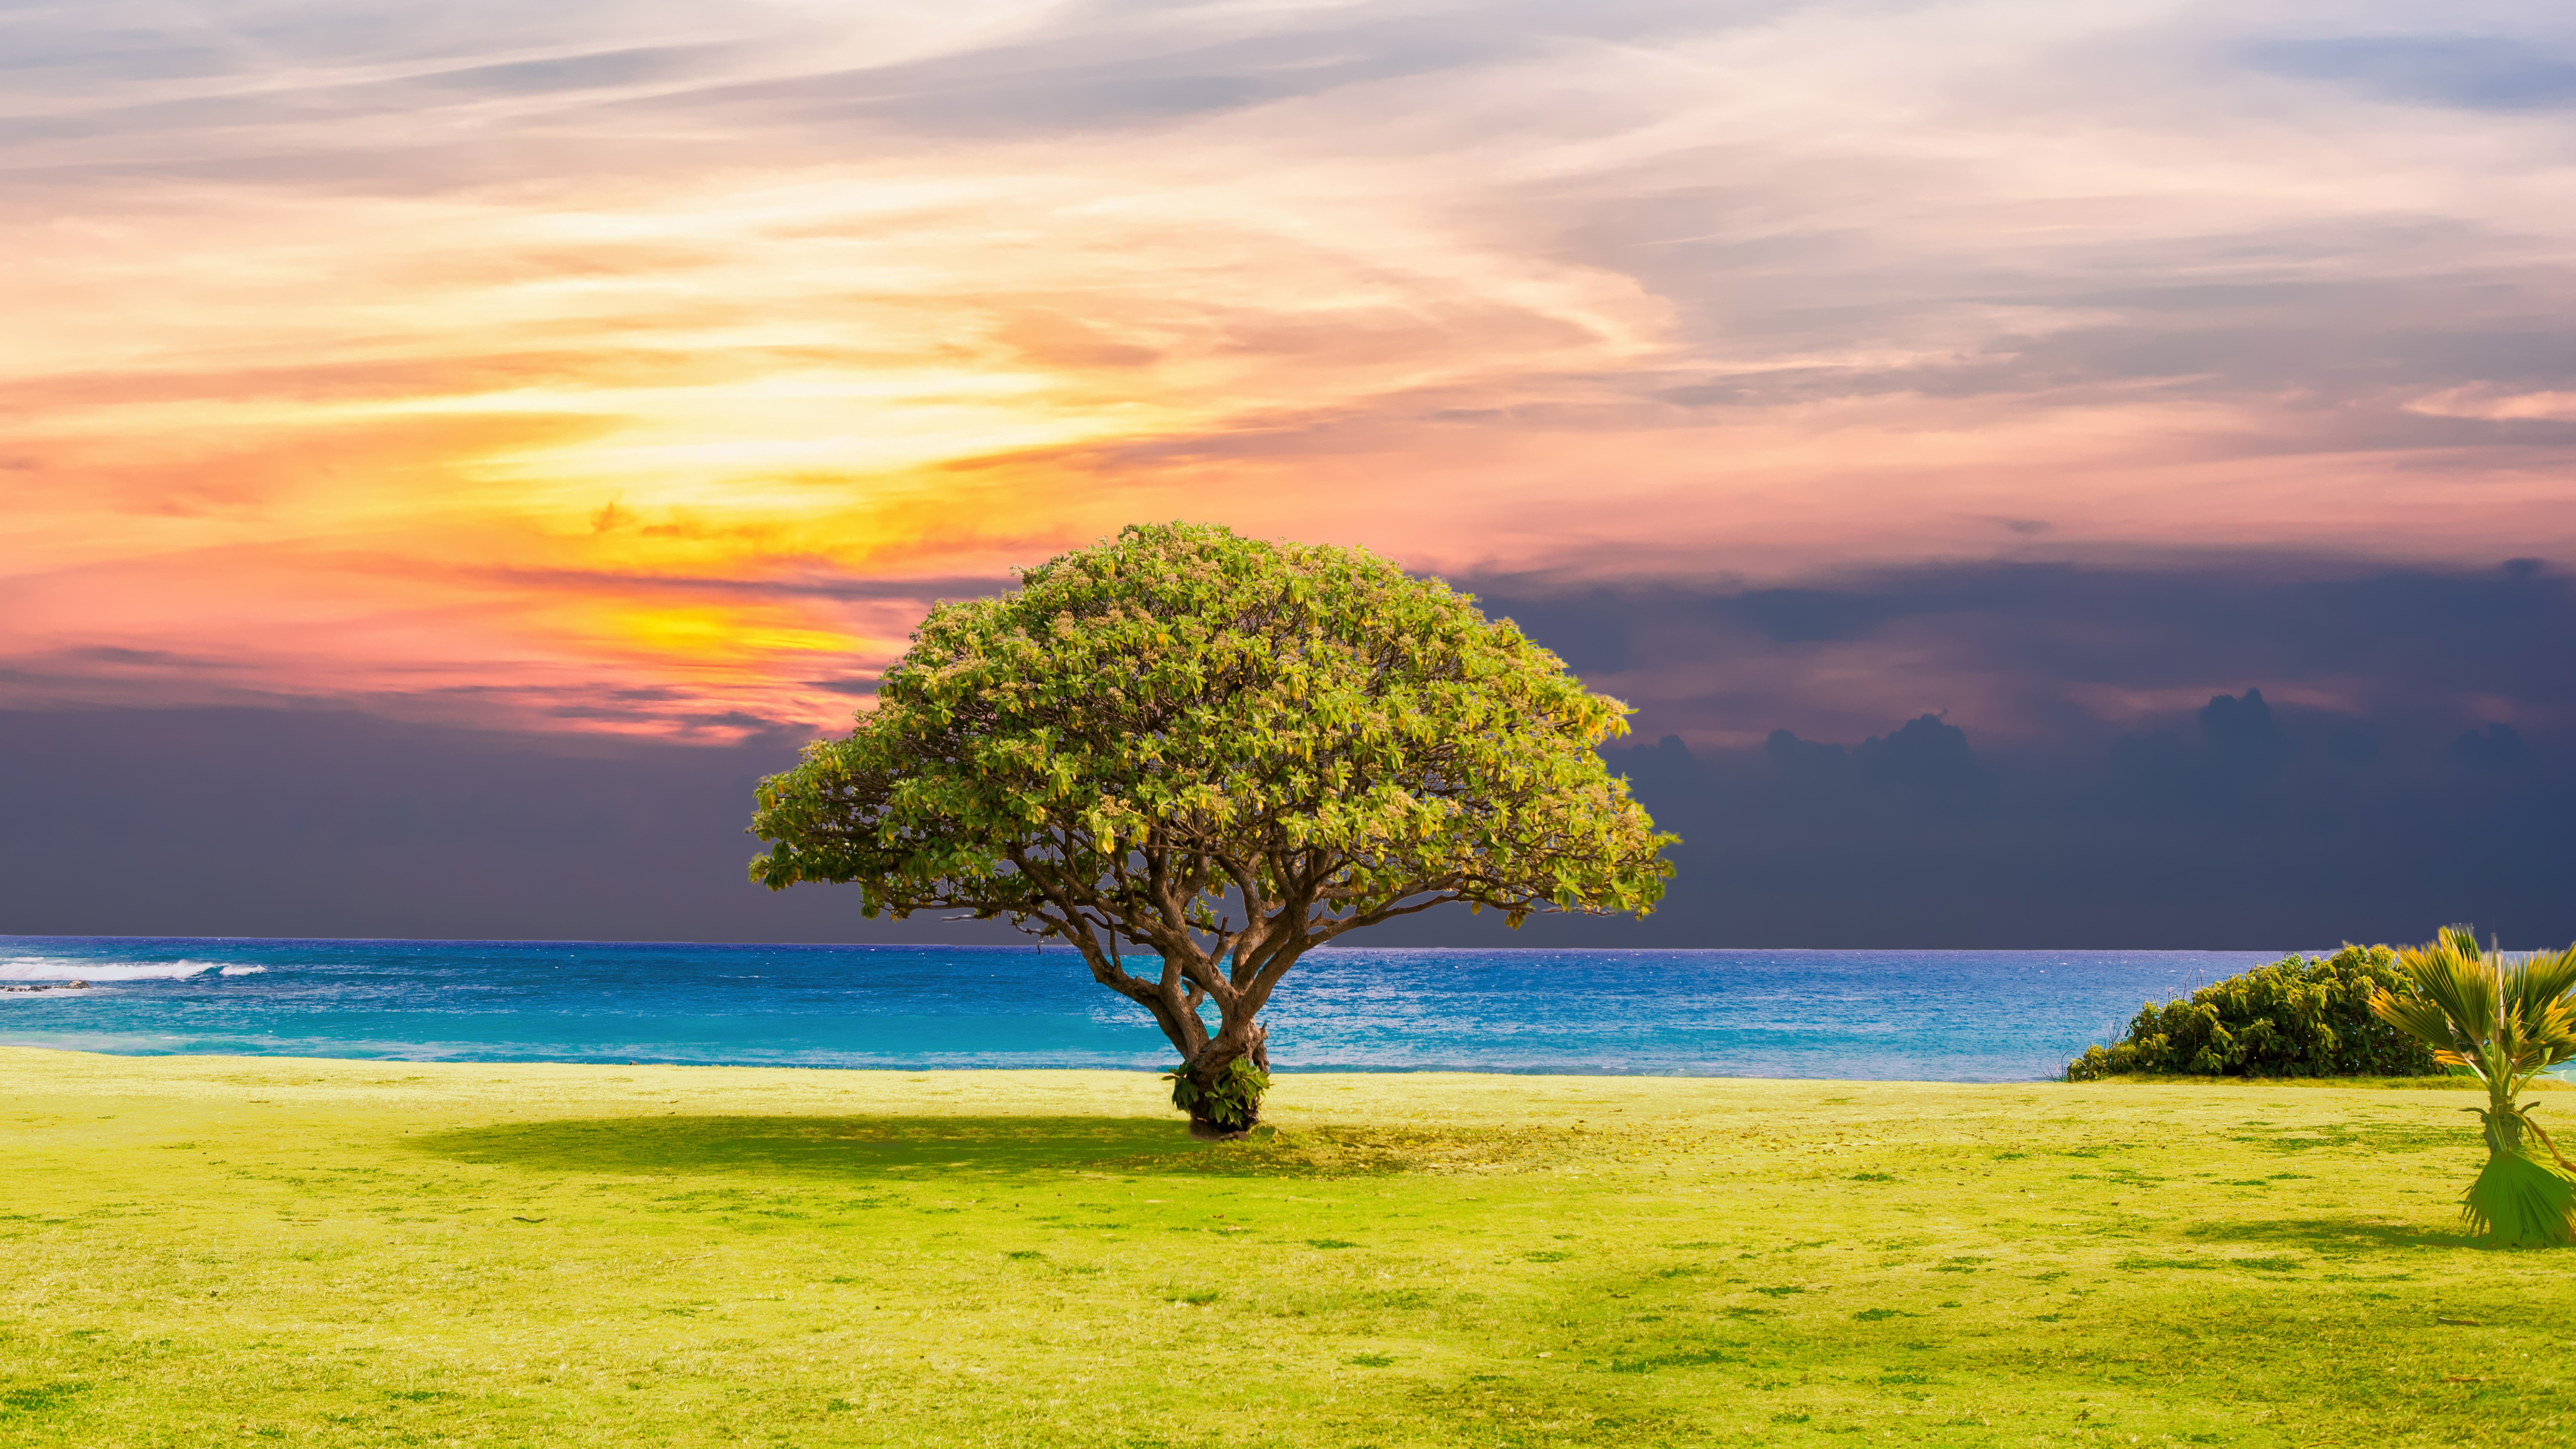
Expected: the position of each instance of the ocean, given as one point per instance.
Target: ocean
(1920, 1015)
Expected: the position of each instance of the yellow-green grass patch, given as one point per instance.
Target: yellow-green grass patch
(261, 1250)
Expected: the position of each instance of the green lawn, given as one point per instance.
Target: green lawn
(255, 1250)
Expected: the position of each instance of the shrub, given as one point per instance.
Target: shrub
(2301, 1016)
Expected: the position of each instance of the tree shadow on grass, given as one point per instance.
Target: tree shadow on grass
(2328, 1235)
(872, 1145)
(2376, 1137)
(825, 1146)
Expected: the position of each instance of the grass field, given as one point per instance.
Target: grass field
(257, 1250)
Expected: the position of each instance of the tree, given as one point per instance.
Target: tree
(2506, 1019)
(1218, 754)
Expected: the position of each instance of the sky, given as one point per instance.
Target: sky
(394, 397)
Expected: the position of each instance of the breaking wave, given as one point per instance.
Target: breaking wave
(56, 968)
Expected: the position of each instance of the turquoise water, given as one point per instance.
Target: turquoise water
(1925, 1015)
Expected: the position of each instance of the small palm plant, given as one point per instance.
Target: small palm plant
(2506, 1019)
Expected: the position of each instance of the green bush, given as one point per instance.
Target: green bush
(2301, 1016)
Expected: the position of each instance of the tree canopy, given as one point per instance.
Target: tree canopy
(1225, 752)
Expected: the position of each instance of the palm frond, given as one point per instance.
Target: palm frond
(2464, 986)
(2523, 1110)
(2417, 1016)
(2519, 1203)
(2451, 1008)
(2540, 980)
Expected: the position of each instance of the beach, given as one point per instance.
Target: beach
(268, 1249)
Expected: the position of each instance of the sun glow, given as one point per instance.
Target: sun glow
(744, 638)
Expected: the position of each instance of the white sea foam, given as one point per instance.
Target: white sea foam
(243, 970)
(56, 968)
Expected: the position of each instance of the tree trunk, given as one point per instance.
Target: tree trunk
(1212, 1066)
(2518, 1200)
(2504, 1124)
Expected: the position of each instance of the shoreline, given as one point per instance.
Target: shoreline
(1286, 1074)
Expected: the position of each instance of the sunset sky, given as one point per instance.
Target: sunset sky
(647, 366)
(1969, 392)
